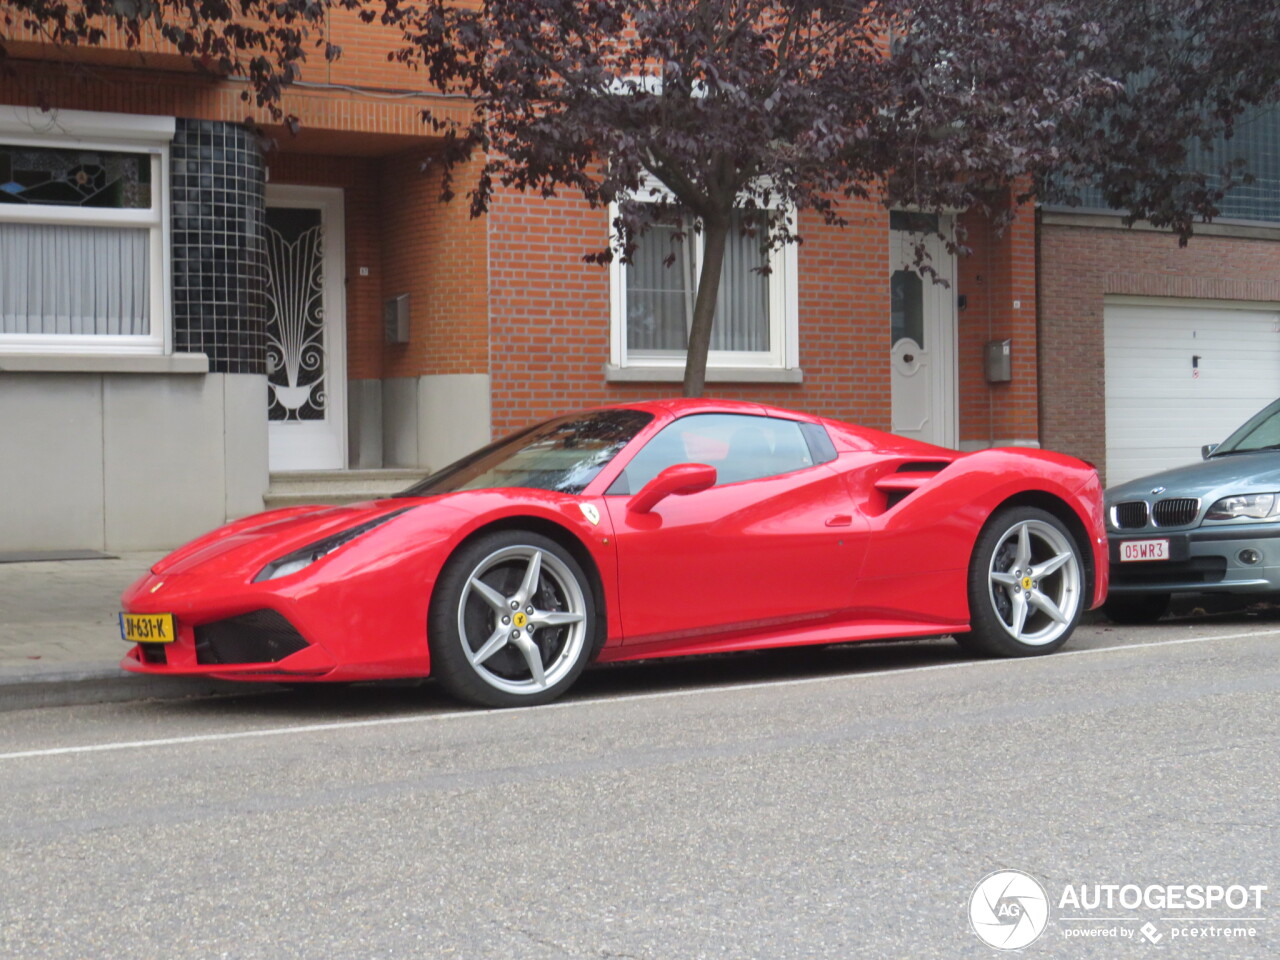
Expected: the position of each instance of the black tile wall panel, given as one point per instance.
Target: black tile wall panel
(218, 190)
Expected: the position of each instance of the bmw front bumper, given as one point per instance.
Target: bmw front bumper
(1237, 559)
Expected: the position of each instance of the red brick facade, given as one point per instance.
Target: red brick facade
(549, 320)
(509, 295)
(439, 256)
(997, 275)
(550, 317)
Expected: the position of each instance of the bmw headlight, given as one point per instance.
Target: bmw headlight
(301, 559)
(1256, 506)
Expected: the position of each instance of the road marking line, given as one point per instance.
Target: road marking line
(617, 698)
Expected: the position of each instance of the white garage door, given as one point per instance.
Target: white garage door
(1180, 376)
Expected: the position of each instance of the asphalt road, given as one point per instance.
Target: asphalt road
(833, 803)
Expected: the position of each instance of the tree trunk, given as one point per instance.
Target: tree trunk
(715, 233)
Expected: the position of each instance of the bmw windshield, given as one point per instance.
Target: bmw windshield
(1260, 432)
(563, 455)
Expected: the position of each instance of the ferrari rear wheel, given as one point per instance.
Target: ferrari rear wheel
(512, 621)
(1026, 585)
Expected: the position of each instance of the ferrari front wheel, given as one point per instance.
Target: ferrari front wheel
(512, 619)
(1026, 585)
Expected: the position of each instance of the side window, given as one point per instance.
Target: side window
(1263, 436)
(820, 445)
(739, 447)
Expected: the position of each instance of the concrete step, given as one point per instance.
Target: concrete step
(300, 487)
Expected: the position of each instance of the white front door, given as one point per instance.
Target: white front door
(922, 338)
(306, 329)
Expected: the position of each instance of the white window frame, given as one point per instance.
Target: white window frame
(784, 312)
(117, 132)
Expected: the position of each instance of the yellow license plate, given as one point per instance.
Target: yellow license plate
(148, 627)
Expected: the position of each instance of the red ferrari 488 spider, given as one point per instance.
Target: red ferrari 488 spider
(649, 530)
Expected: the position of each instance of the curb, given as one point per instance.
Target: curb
(78, 685)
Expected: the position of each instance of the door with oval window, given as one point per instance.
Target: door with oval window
(306, 329)
(922, 332)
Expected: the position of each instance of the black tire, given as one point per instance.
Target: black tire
(1130, 608)
(479, 657)
(1026, 566)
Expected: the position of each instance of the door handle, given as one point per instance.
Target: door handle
(840, 520)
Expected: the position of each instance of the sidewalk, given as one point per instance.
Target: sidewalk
(60, 638)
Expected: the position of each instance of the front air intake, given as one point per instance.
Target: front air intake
(263, 636)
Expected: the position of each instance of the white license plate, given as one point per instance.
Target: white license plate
(1131, 550)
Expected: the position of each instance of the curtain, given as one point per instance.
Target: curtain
(660, 298)
(57, 279)
(742, 307)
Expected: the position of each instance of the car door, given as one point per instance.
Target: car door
(775, 543)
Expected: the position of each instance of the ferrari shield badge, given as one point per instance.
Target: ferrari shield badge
(590, 512)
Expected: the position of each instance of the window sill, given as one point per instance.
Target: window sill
(641, 374)
(106, 363)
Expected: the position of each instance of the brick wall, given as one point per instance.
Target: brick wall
(437, 254)
(1080, 266)
(550, 320)
(87, 79)
(550, 317)
(999, 272)
(363, 61)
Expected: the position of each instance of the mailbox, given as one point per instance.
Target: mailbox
(395, 318)
(999, 361)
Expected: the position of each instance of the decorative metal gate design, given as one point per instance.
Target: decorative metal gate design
(296, 354)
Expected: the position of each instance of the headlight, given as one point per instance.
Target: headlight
(301, 559)
(1257, 506)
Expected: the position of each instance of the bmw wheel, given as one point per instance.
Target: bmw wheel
(512, 621)
(1026, 585)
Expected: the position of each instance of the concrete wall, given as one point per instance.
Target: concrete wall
(426, 421)
(123, 461)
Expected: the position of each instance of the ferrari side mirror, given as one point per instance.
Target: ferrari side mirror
(1207, 450)
(681, 480)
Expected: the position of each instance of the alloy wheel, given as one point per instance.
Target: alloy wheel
(1035, 582)
(522, 620)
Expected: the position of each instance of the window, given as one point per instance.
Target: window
(652, 304)
(739, 447)
(906, 307)
(83, 232)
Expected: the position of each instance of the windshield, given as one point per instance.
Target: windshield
(1260, 432)
(564, 455)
